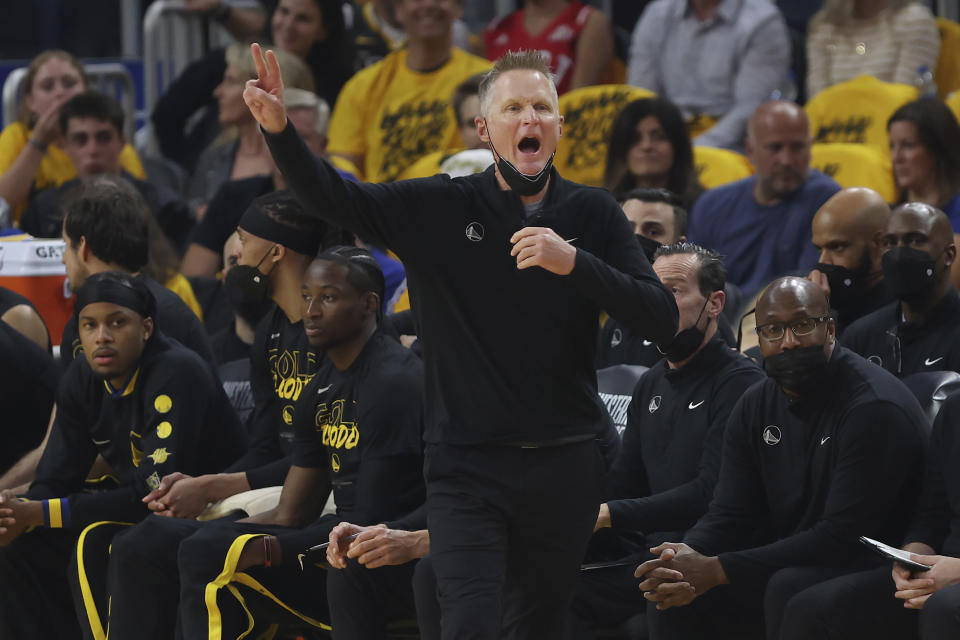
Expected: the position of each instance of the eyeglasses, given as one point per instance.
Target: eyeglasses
(773, 332)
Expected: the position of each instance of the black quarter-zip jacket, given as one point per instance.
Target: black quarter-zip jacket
(668, 466)
(801, 480)
(508, 353)
(903, 348)
(172, 415)
(937, 522)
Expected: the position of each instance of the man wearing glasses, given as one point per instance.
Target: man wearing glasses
(817, 455)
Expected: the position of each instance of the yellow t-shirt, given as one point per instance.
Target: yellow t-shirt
(392, 116)
(182, 287)
(857, 111)
(56, 167)
(856, 165)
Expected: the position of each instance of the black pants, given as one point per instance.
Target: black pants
(508, 531)
(35, 599)
(88, 575)
(604, 599)
(739, 612)
(363, 602)
(217, 600)
(144, 581)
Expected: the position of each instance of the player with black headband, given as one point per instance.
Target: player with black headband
(105, 229)
(277, 243)
(150, 407)
(513, 472)
(358, 430)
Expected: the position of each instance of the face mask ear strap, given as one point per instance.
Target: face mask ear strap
(740, 328)
(269, 251)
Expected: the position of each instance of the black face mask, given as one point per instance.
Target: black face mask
(847, 286)
(522, 183)
(649, 246)
(248, 290)
(799, 370)
(687, 341)
(909, 273)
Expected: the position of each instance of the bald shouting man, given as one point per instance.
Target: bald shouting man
(848, 232)
(762, 223)
(920, 331)
(814, 457)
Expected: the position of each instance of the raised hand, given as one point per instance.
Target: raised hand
(264, 96)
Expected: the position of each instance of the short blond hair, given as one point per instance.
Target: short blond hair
(521, 60)
(300, 99)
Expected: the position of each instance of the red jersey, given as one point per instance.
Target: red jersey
(556, 42)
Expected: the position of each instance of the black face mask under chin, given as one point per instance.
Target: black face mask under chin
(800, 370)
(909, 273)
(524, 184)
(649, 246)
(687, 341)
(847, 286)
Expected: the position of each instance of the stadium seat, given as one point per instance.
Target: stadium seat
(588, 114)
(947, 73)
(931, 388)
(857, 111)
(953, 101)
(717, 167)
(615, 385)
(856, 165)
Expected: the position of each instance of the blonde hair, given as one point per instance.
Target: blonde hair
(24, 114)
(296, 74)
(521, 60)
(300, 99)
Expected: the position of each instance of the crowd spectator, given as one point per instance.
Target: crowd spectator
(31, 155)
(663, 478)
(238, 152)
(378, 31)
(925, 151)
(848, 232)
(827, 449)
(649, 147)
(93, 139)
(576, 39)
(150, 407)
(397, 110)
(310, 117)
(920, 330)
(717, 59)
(890, 40)
(466, 108)
(761, 224)
(311, 30)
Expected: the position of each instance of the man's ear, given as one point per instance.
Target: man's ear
(147, 328)
(715, 303)
(83, 250)
(277, 253)
(950, 254)
(481, 124)
(371, 305)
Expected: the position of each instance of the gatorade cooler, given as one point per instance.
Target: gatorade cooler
(33, 268)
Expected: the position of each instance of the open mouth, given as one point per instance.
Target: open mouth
(529, 145)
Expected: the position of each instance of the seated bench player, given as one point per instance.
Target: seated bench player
(145, 403)
(358, 430)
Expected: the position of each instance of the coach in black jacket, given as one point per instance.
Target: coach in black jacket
(513, 472)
